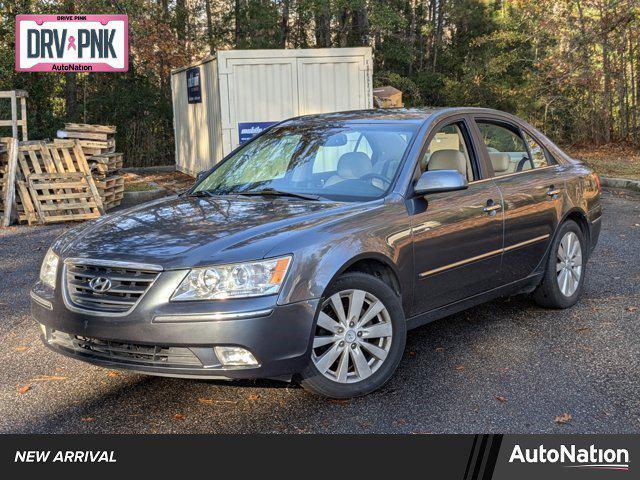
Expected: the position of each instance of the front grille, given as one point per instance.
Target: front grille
(127, 286)
(126, 352)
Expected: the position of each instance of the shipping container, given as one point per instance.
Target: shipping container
(227, 98)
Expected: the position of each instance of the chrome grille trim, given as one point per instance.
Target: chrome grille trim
(130, 353)
(131, 281)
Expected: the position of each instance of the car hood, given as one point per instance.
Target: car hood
(181, 232)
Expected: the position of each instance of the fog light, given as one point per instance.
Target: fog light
(235, 356)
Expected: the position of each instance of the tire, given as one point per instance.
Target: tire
(386, 332)
(550, 293)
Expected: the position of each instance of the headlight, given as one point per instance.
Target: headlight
(49, 268)
(234, 280)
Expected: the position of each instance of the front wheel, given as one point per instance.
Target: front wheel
(359, 338)
(563, 280)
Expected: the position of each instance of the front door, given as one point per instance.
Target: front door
(457, 235)
(531, 188)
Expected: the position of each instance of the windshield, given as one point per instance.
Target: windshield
(334, 160)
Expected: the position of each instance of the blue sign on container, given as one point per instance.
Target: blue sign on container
(248, 130)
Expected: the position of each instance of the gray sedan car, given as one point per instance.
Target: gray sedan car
(308, 252)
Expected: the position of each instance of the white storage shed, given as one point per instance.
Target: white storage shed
(225, 99)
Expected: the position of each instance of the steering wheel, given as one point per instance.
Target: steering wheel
(371, 176)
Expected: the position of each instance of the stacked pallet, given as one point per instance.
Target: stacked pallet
(54, 183)
(98, 143)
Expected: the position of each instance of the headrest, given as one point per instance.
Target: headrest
(500, 161)
(354, 165)
(448, 160)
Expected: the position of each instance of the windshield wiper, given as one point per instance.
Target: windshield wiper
(279, 193)
(201, 193)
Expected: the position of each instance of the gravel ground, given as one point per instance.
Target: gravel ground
(506, 367)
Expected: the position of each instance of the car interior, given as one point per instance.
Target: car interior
(448, 151)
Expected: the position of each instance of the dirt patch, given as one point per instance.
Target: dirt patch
(171, 181)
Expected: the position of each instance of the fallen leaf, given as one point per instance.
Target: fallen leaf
(87, 419)
(206, 401)
(440, 349)
(562, 419)
(178, 416)
(47, 378)
(501, 399)
(253, 397)
(21, 348)
(412, 353)
(24, 389)
(112, 374)
(583, 329)
(459, 367)
(632, 309)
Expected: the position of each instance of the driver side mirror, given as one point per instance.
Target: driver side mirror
(437, 181)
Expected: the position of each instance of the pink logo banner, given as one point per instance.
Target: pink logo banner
(72, 43)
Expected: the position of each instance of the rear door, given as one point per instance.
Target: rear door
(531, 188)
(457, 236)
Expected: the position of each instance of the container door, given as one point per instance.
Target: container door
(333, 84)
(255, 92)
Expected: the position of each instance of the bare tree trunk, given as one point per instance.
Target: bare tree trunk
(323, 24)
(238, 11)
(210, 39)
(284, 23)
(438, 33)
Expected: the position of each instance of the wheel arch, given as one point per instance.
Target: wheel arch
(580, 217)
(381, 267)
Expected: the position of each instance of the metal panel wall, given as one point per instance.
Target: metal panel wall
(196, 125)
(263, 86)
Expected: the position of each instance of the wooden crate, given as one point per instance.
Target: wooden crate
(61, 197)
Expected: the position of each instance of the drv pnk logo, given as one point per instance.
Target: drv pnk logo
(72, 43)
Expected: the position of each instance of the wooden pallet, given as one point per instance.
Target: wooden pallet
(8, 166)
(88, 127)
(39, 158)
(60, 197)
(106, 163)
(111, 190)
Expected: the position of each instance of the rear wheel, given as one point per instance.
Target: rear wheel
(563, 281)
(359, 338)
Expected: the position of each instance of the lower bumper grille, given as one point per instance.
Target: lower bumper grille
(126, 352)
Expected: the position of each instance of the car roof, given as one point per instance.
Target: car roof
(390, 115)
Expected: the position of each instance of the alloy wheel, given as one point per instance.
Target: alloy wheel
(353, 336)
(569, 264)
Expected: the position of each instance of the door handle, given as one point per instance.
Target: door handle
(492, 208)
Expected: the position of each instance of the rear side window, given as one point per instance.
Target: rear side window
(507, 150)
(539, 155)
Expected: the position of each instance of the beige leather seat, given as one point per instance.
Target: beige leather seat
(351, 165)
(500, 161)
(448, 160)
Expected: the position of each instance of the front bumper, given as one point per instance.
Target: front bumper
(150, 340)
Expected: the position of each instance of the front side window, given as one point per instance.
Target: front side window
(448, 150)
(507, 150)
(335, 160)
